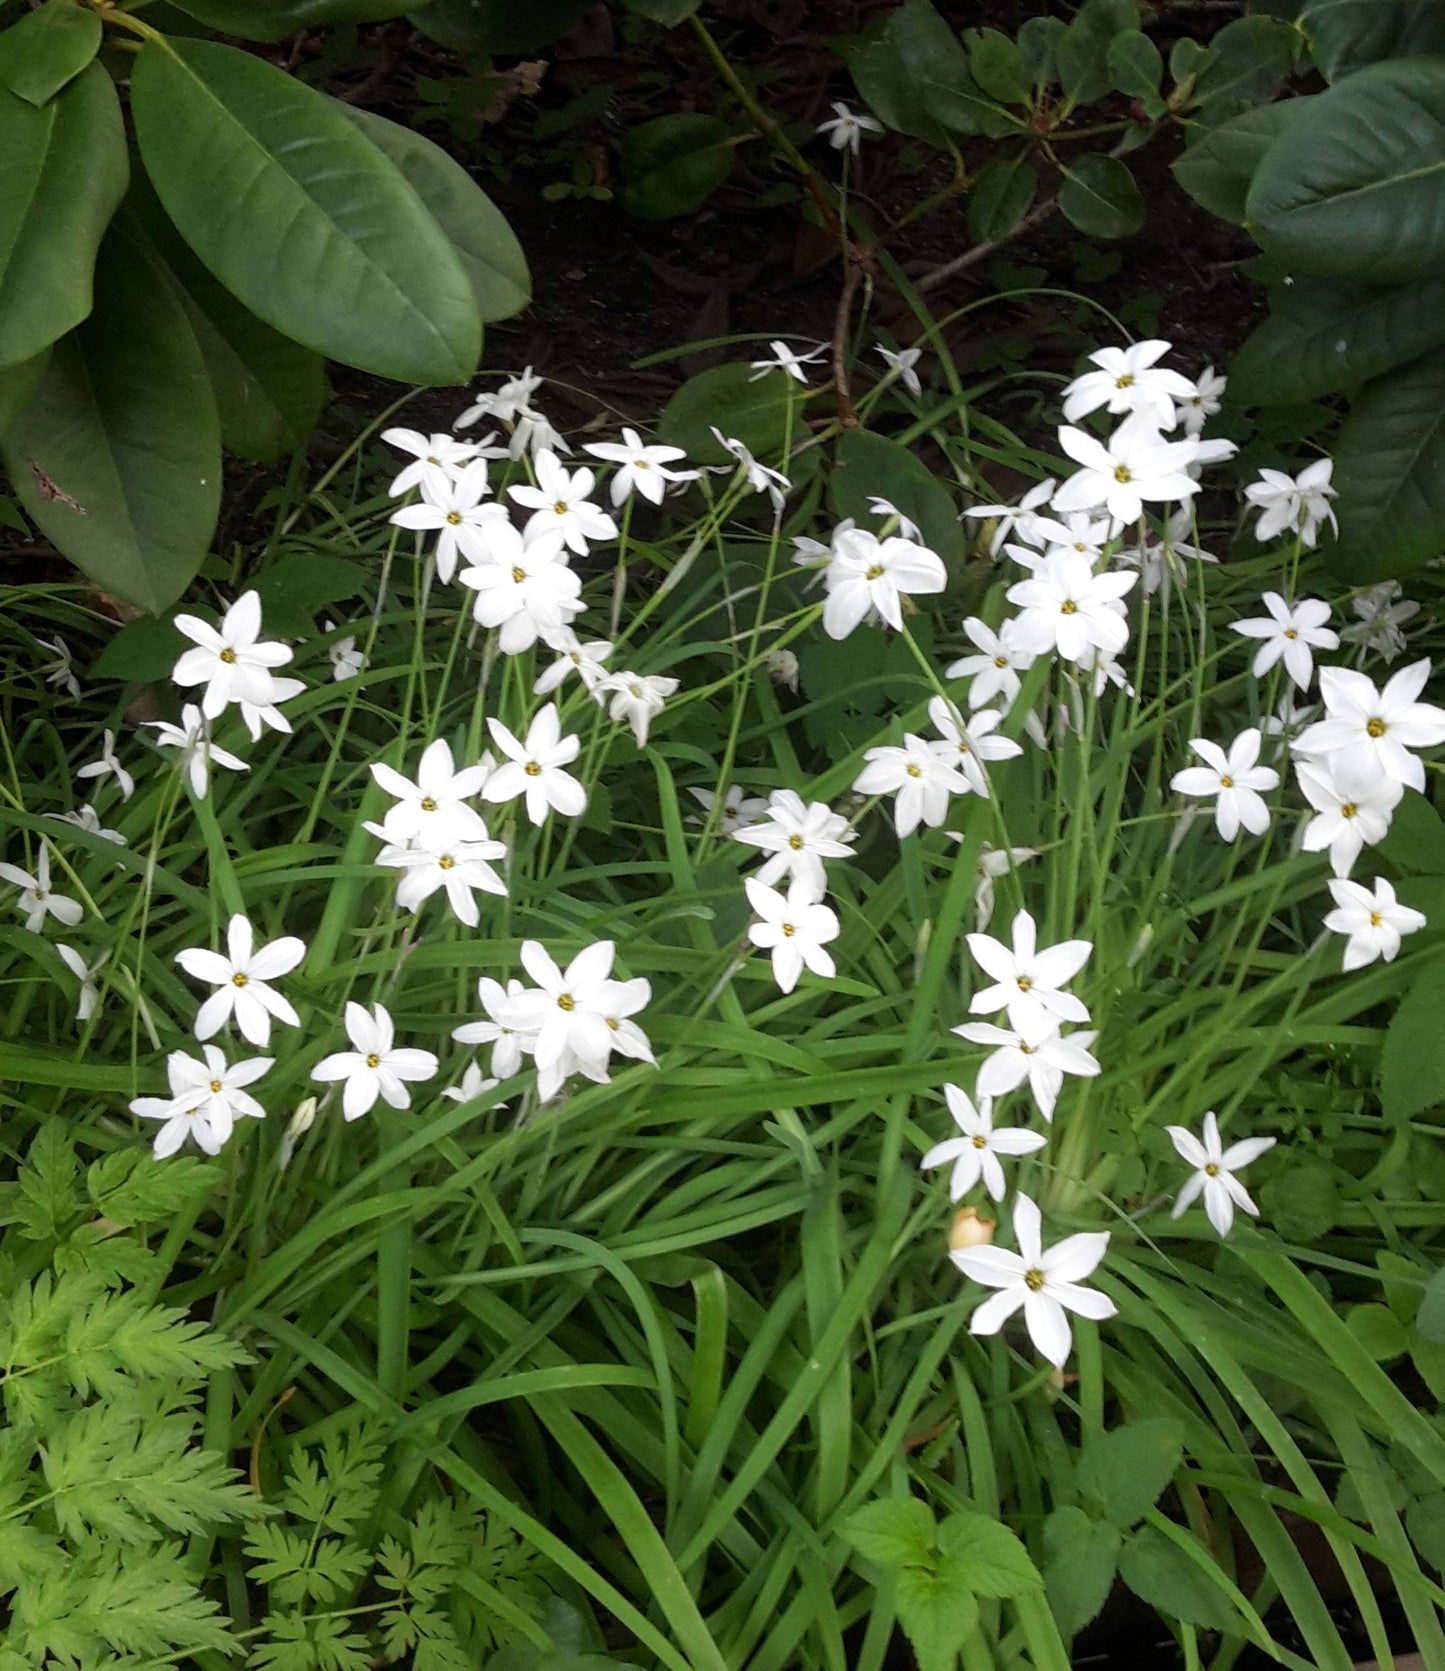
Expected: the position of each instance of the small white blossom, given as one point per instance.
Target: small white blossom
(1290, 633)
(1372, 920)
(642, 469)
(1041, 1055)
(109, 766)
(89, 995)
(1045, 1284)
(373, 1067)
(1293, 503)
(533, 768)
(760, 477)
(1234, 779)
(1381, 615)
(635, 699)
(974, 1154)
(1213, 1175)
(993, 862)
(784, 359)
(798, 838)
(920, 777)
(845, 129)
(433, 811)
(561, 504)
(1021, 519)
(207, 1098)
(461, 869)
(1352, 810)
(996, 668)
(902, 364)
(473, 1086)
(88, 819)
(500, 1030)
(1128, 380)
(573, 656)
(867, 578)
(1376, 729)
(970, 746)
(241, 978)
(1065, 606)
(458, 511)
(197, 752)
(1136, 464)
(61, 671)
(574, 1016)
(1195, 410)
(346, 660)
(435, 458)
(231, 660)
(37, 900)
(735, 812)
(524, 587)
(1029, 981)
(794, 927)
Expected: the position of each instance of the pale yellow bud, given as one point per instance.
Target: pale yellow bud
(969, 1230)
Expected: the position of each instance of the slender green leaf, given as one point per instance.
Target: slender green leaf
(47, 49)
(64, 172)
(334, 247)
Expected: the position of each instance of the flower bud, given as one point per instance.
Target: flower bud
(969, 1230)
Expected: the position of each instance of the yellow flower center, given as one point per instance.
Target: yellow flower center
(1211, 1171)
(1034, 1280)
(612, 1024)
(788, 931)
(1025, 984)
(796, 843)
(454, 517)
(1000, 661)
(560, 506)
(532, 769)
(1375, 919)
(216, 1085)
(373, 1060)
(428, 804)
(1348, 810)
(1068, 607)
(980, 1142)
(1226, 782)
(912, 770)
(567, 1002)
(1376, 728)
(1125, 382)
(228, 656)
(874, 572)
(1289, 632)
(446, 861)
(238, 980)
(1121, 473)
(519, 575)
(1025, 1049)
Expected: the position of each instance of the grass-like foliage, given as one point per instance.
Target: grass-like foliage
(609, 1312)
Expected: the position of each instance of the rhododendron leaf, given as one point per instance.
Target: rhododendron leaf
(673, 164)
(1330, 334)
(1217, 169)
(1390, 473)
(118, 456)
(915, 78)
(274, 20)
(17, 384)
(64, 172)
(1343, 192)
(999, 198)
(1345, 35)
(47, 49)
(1099, 196)
(335, 248)
(485, 244)
(1082, 51)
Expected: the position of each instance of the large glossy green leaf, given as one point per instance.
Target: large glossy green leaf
(1390, 473)
(17, 384)
(478, 229)
(871, 464)
(63, 169)
(727, 397)
(300, 216)
(47, 49)
(1345, 35)
(1324, 335)
(1248, 59)
(915, 78)
(117, 457)
(673, 164)
(274, 20)
(1355, 184)
(1217, 169)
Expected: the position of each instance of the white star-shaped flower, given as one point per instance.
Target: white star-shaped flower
(1196, 409)
(784, 359)
(561, 504)
(1213, 1176)
(793, 927)
(500, 1029)
(533, 768)
(435, 458)
(1021, 520)
(1044, 1283)
(974, 1154)
(799, 837)
(902, 365)
(1293, 503)
(37, 900)
(457, 509)
(736, 811)
(230, 660)
(1029, 981)
(587, 661)
(433, 811)
(1372, 920)
(1353, 809)
(996, 668)
(761, 478)
(461, 869)
(1065, 606)
(1377, 729)
(1136, 464)
(970, 745)
(845, 129)
(197, 752)
(1128, 380)
(109, 766)
(207, 1097)
(635, 699)
(1234, 779)
(642, 469)
(241, 978)
(524, 587)
(1291, 633)
(920, 776)
(867, 577)
(89, 995)
(374, 1067)
(1041, 1055)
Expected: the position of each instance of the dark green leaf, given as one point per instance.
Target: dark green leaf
(1126, 1471)
(274, 20)
(1218, 169)
(1082, 51)
(1036, 38)
(1099, 196)
(142, 652)
(673, 164)
(124, 427)
(1001, 195)
(1136, 69)
(669, 13)
(486, 245)
(334, 248)
(896, 1532)
(1425, 1521)
(1302, 1202)
(1345, 35)
(869, 464)
(915, 78)
(1325, 335)
(1415, 844)
(47, 49)
(1159, 1572)
(480, 28)
(294, 590)
(1379, 1331)
(17, 384)
(1188, 60)
(1412, 1066)
(1249, 58)
(997, 67)
(64, 172)
(755, 413)
(1355, 184)
(1390, 471)
(1430, 1318)
(937, 1616)
(985, 1557)
(1081, 1557)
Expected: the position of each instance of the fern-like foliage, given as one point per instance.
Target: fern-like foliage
(101, 1477)
(433, 1594)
